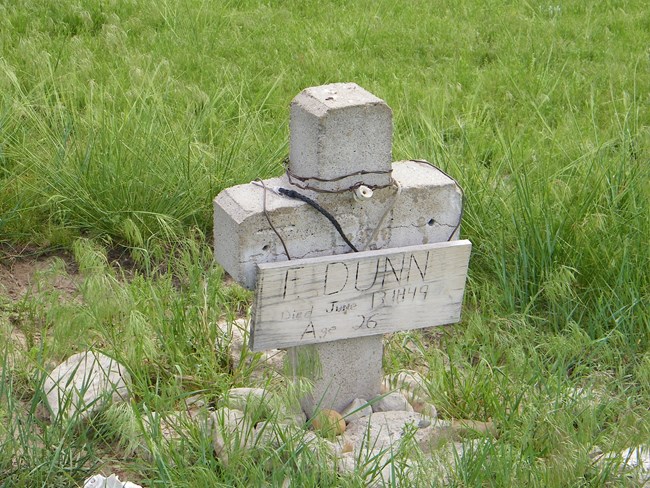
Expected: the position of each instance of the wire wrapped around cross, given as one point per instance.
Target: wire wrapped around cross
(304, 181)
(304, 198)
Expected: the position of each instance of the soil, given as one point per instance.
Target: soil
(27, 272)
(18, 274)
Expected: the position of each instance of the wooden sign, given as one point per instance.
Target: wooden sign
(323, 299)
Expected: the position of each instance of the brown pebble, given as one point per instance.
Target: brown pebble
(347, 447)
(328, 423)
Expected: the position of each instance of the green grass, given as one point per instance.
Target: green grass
(120, 121)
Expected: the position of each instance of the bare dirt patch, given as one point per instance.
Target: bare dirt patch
(27, 273)
(19, 274)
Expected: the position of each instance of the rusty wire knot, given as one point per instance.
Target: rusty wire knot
(302, 182)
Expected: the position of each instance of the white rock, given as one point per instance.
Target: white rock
(367, 463)
(426, 409)
(274, 435)
(195, 403)
(291, 417)
(235, 335)
(637, 457)
(269, 434)
(634, 460)
(412, 385)
(230, 431)
(356, 409)
(264, 404)
(321, 446)
(248, 398)
(392, 402)
(175, 425)
(84, 384)
(100, 481)
(406, 381)
(386, 430)
(346, 463)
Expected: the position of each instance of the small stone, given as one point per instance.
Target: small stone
(320, 446)
(346, 463)
(84, 384)
(297, 419)
(637, 457)
(356, 409)
(288, 408)
(100, 481)
(196, 406)
(247, 399)
(171, 426)
(272, 434)
(388, 475)
(392, 402)
(412, 385)
(406, 381)
(169, 429)
(447, 458)
(230, 431)
(328, 423)
(377, 468)
(634, 461)
(386, 430)
(347, 447)
(426, 409)
(195, 401)
(233, 334)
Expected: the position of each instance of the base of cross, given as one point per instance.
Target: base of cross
(339, 372)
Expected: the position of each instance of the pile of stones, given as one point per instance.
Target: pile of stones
(255, 418)
(401, 419)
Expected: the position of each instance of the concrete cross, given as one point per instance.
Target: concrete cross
(323, 309)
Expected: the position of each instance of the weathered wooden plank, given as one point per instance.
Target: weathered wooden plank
(323, 299)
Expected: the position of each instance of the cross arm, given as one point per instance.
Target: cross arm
(427, 209)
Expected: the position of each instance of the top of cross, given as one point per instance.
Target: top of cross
(340, 138)
(340, 95)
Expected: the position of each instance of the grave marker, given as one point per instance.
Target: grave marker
(340, 161)
(354, 295)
